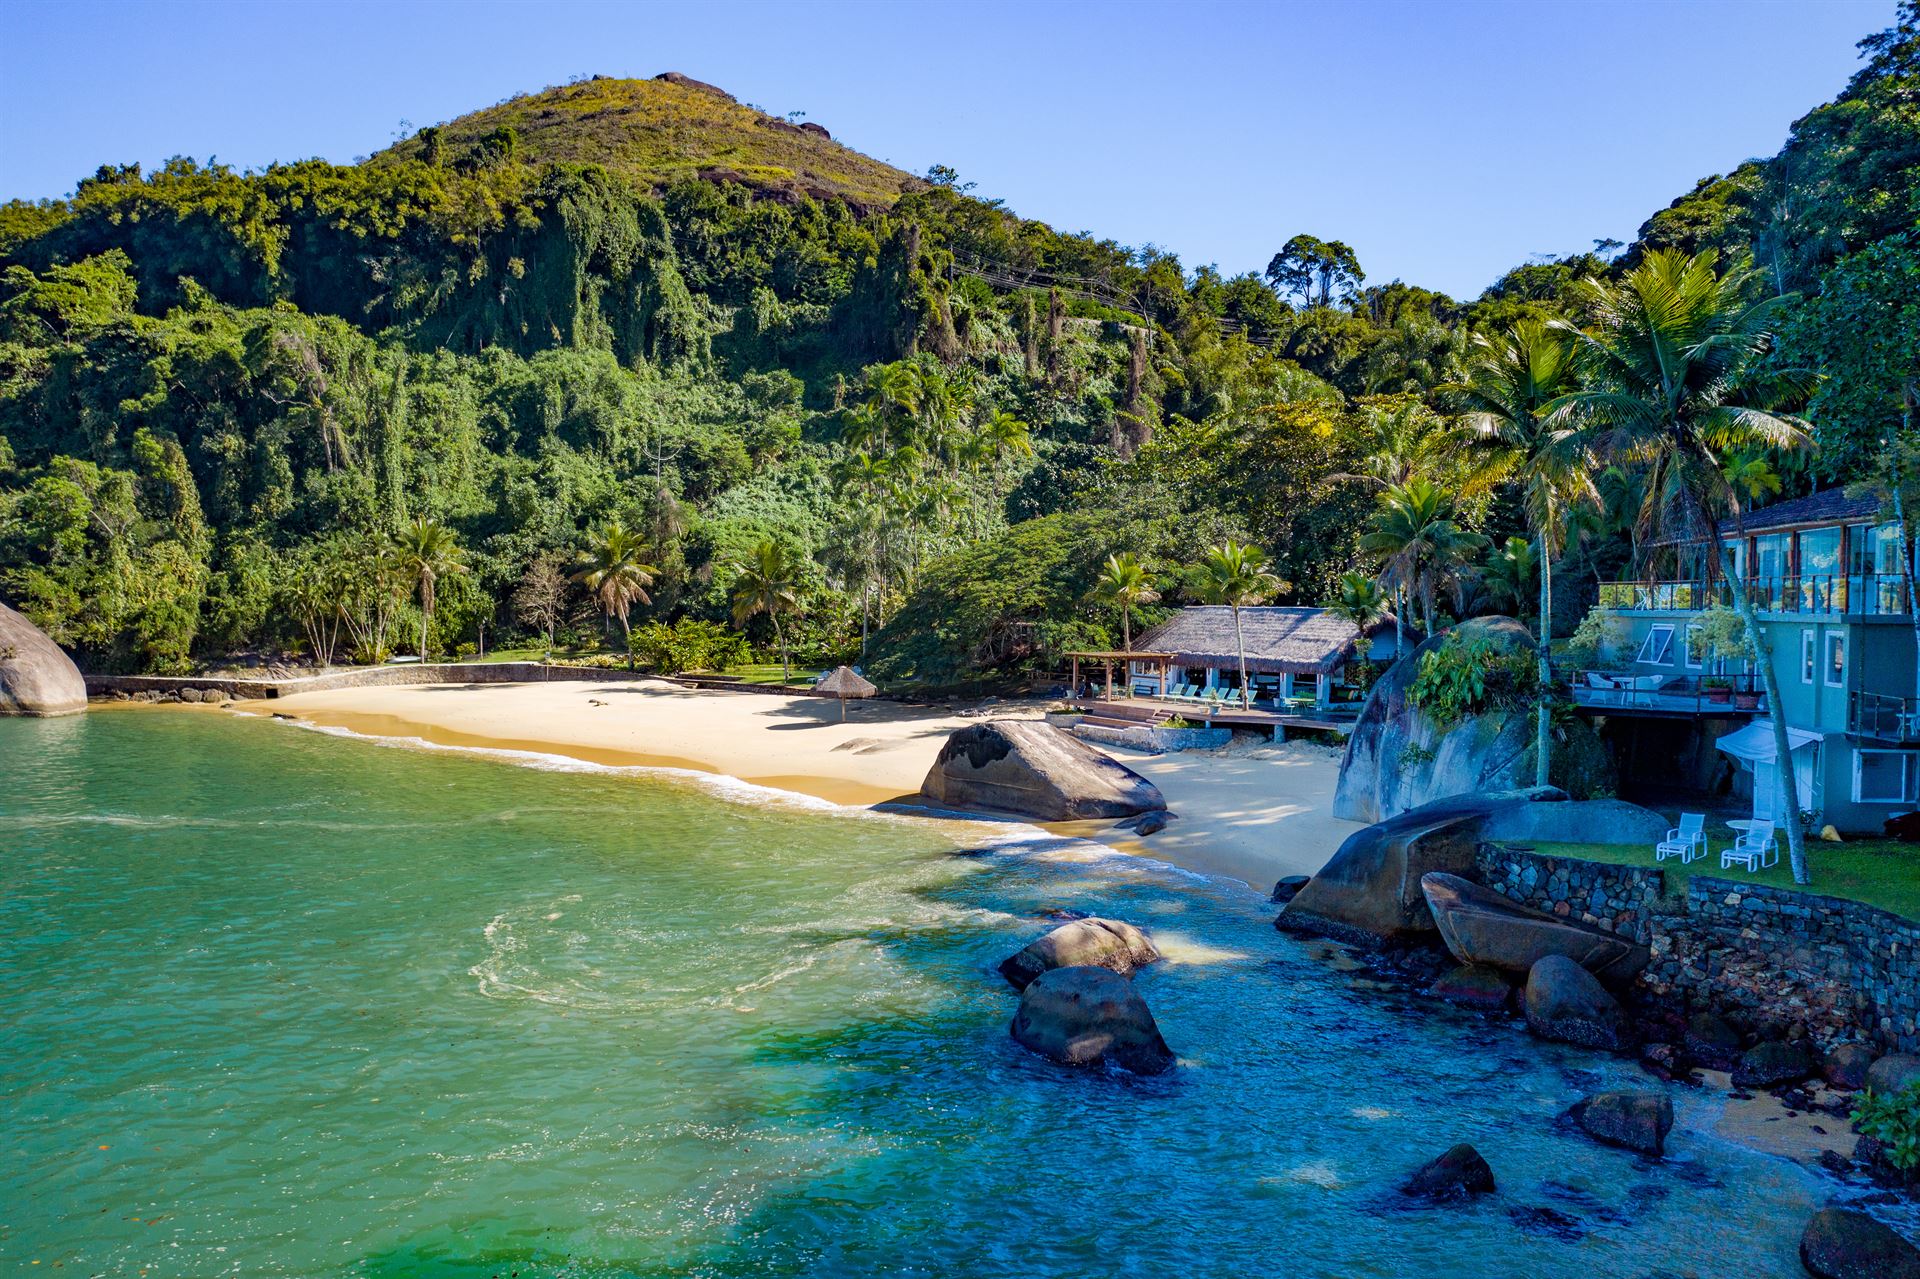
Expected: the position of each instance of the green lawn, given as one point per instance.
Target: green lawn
(1877, 871)
(806, 675)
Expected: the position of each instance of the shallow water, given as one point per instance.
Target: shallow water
(278, 1003)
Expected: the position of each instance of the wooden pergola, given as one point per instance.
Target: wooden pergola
(1107, 657)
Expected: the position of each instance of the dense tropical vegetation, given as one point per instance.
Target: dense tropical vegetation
(533, 375)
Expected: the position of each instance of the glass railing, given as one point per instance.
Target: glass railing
(1851, 595)
(1890, 719)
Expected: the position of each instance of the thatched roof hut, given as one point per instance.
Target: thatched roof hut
(1280, 639)
(844, 682)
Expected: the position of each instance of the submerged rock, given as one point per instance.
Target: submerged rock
(1473, 986)
(1773, 1064)
(1288, 888)
(1566, 1002)
(36, 677)
(1033, 769)
(1090, 1017)
(1100, 943)
(1638, 1121)
(1153, 823)
(1842, 1243)
(1481, 926)
(1457, 1174)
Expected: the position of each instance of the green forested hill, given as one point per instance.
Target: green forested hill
(637, 303)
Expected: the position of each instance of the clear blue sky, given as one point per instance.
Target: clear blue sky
(1444, 141)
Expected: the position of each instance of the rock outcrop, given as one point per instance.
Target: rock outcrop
(1099, 943)
(1772, 1065)
(1090, 1017)
(1481, 926)
(1397, 759)
(1637, 1121)
(36, 677)
(1368, 893)
(1847, 1066)
(1566, 1002)
(1457, 1174)
(1711, 1042)
(1892, 1073)
(1843, 1243)
(1030, 768)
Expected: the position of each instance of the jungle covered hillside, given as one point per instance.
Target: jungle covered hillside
(824, 404)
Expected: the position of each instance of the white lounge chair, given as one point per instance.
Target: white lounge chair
(1755, 849)
(1687, 841)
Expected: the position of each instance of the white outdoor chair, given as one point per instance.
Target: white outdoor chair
(1687, 841)
(1754, 849)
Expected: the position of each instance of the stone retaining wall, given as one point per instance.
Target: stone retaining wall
(1615, 899)
(1842, 969)
(242, 688)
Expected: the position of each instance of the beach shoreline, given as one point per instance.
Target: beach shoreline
(1254, 813)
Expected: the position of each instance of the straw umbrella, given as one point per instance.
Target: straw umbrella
(844, 683)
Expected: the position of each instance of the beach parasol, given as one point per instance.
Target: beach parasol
(843, 683)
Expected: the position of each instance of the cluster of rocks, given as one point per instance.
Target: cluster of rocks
(1078, 1005)
(211, 696)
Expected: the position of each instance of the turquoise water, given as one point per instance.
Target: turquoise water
(279, 1003)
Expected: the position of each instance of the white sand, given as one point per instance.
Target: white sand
(1253, 814)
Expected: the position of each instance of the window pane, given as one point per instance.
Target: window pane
(1836, 660)
(1820, 551)
(1886, 776)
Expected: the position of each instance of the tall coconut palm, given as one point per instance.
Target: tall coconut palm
(1421, 546)
(423, 552)
(1236, 575)
(1675, 385)
(769, 582)
(1358, 600)
(1511, 379)
(1123, 582)
(611, 568)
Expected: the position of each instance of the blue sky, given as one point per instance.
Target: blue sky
(1444, 141)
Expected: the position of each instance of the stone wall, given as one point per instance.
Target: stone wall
(1842, 969)
(242, 688)
(1615, 899)
(1833, 965)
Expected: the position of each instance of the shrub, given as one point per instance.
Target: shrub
(1893, 1120)
(1468, 676)
(689, 645)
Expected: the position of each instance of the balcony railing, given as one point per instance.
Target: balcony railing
(1850, 595)
(1668, 694)
(1889, 719)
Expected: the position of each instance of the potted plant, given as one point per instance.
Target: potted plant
(1746, 699)
(1717, 688)
(1723, 637)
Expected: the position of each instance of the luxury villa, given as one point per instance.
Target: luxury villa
(1683, 716)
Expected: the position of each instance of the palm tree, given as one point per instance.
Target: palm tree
(1358, 599)
(1237, 576)
(1675, 386)
(1123, 581)
(423, 552)
(768, 583)
(1420, 545)
(1511, 380)
(611, 568)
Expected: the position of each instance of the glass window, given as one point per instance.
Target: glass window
(1806, 657)
(1770, 555)
(1861, 561)
(1885, 777)
(1836, 663)
(1733, 557)
(1820, 552)
(1655, 648)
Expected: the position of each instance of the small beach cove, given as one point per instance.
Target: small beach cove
(702, 1035)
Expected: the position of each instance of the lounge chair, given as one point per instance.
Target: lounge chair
(1687, 841)
(1755, 849)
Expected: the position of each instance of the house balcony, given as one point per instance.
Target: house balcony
(1825, 594)
(1620, 692)
(1882, 717)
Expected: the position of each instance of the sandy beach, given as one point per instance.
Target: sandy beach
(1253, 813)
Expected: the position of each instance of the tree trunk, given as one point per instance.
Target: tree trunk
(1240, 646)
(626, 639)
(1782, 745)
(1399, 623)
(1909, 543)
(786, 669)
(1126, 628)
(1541, 735)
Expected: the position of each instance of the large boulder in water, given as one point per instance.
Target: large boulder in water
(1460, 1172)
(36, 678)
(1481, 926)
(1090, 1017)
(1638, 1121)
(1566, 1002)
(1099, 943)
(1399, 759)
(1369, 894)
(1027, 766)
(1843, 1243)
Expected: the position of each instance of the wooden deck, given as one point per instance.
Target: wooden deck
(1152, 710)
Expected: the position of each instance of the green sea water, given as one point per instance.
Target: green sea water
(274, 1002)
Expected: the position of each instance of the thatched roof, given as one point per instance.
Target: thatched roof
(842, 682)
(1279, 638)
